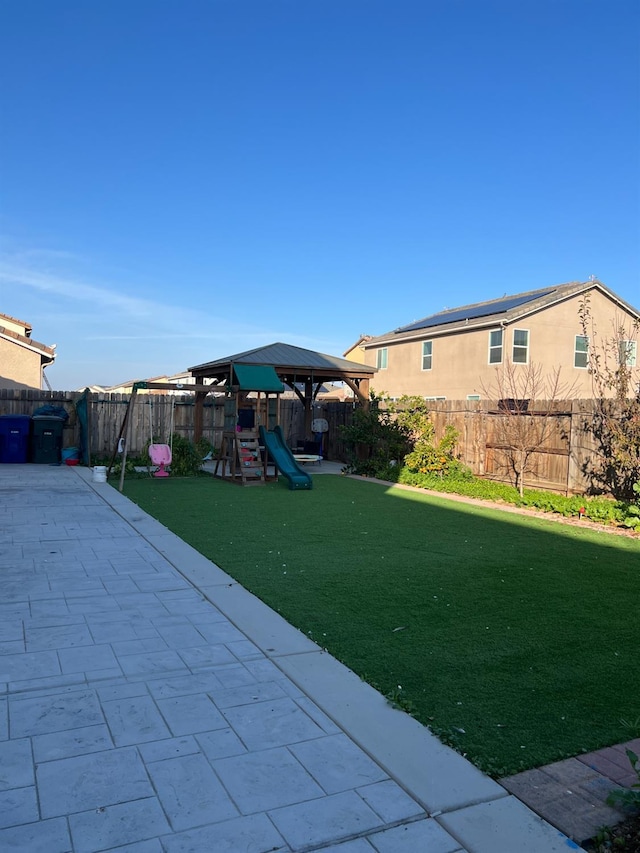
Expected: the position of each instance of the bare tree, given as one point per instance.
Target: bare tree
(614, 369)
(528, 402)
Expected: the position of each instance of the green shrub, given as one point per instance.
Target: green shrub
(429, 457)
(628, 796)
(145, 459)
(381, 469)
(203, 447)
(186, 460)
(375, 440)
(632, 515)
(129, 468)
(459, 480)
(552, 502)
(391, 438)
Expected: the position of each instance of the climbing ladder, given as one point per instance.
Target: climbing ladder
(240, 459)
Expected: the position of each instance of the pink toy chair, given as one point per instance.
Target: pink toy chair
(160, 454)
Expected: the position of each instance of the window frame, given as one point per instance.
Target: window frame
(577, 352)
(382, 355)
(520, 346)
(429, 355)
(630, 354)
(493, 347)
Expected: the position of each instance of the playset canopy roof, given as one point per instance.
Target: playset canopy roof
(257, 377)
(293, 365)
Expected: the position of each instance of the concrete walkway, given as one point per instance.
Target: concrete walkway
(150, 704)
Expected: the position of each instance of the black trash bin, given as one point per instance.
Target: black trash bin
(46, 439)
(14, 438)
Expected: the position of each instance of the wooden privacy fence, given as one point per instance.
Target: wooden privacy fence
(557, 465)
(155, 415)
(558, 462)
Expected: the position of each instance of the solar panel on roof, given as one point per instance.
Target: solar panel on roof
(473, 312)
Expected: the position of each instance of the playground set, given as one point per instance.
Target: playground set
(252, 440)
(252, 437)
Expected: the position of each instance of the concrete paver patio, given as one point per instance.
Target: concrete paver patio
(149, 703)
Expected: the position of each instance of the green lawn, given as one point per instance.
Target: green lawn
(515, 639)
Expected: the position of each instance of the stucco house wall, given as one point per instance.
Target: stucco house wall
(460, 365)
(19, 366)
(22, 360)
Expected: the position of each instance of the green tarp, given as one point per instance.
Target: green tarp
(257, 377)
(82, 411)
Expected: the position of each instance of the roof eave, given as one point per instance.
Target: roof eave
(436, 331)
(359, 371)
(45, 352)
(560, 294)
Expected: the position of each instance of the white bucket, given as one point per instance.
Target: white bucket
(100, 474)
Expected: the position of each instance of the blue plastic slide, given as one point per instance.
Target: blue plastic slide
(283, 458)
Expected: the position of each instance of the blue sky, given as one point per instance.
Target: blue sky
(180, 181)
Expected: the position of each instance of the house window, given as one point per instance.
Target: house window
(581, 351)
(628, 351)
(427, 355)
(495, 346)
(473, 396)
(381, 359)
(435, 399)
(520, 346)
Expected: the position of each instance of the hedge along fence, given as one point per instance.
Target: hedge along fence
(557, 465)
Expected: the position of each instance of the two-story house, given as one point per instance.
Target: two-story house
(22, 360)
(454, 354)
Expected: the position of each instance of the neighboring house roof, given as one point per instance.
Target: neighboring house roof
(15, 325)
(127, 387)
(8, 331)
(361, 340)
(495, 311)
(184, 377)
(289, 359)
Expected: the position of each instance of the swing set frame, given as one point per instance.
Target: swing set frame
(124, 435)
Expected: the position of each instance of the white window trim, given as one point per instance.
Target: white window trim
(473, 397)
(576, 351)
(493, 363)
(435, 399)
(422, 367)
(513, 345)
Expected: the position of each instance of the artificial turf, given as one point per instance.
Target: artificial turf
(513, 638)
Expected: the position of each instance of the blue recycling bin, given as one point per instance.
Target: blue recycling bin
(14, 438)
